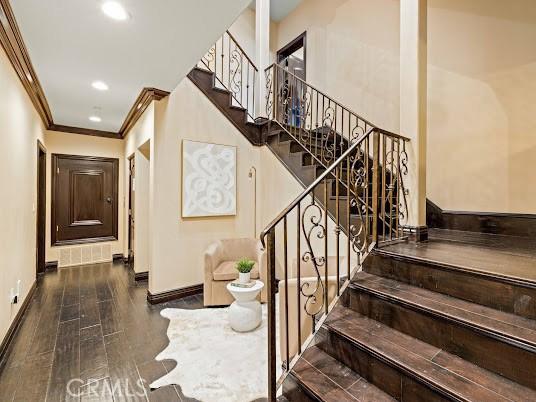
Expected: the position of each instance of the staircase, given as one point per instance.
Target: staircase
(451, 319)
(222, 98)
(418, 327)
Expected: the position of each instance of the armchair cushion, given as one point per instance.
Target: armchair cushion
(226, 271)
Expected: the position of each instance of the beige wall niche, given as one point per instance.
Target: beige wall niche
(138, 144)
(142, 162)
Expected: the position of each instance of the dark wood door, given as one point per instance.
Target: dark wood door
(41, 207)
(131, 204)
(84, 199)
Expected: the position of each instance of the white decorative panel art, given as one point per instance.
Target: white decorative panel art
(208, 179)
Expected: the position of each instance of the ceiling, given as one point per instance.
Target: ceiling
(279, 9)
(72, 43)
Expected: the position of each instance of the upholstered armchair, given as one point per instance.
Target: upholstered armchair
(220, 261)
(307, 276)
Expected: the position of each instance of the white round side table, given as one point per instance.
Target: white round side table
(245, 313)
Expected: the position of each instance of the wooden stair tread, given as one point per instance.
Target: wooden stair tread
(455, 377)
(478, 260)
(515, 245)
(511, 327)
(330, 380)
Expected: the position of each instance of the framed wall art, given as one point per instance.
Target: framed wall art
(208, 179)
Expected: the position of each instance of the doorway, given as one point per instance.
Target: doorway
(41, 208)
(131, 191)
(292, 58)
(84, 199)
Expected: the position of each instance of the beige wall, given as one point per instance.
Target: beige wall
(352, 53)
(482, 70)
(20, 128)
(177, 244)
(482, 125)
(243, 30)
(75, 144)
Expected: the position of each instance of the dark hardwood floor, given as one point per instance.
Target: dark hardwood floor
(91, 324)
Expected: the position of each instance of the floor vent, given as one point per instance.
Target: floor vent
(86, 254)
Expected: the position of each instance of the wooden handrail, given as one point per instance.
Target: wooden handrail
(242, 50)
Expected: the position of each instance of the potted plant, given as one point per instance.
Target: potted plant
(244, 267)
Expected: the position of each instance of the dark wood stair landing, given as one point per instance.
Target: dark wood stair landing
(494, 254)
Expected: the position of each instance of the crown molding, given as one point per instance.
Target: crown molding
(144, 99)
(84, 131)
(13, 44)
(17, 53)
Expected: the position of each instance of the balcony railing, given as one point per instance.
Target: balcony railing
(233, 71)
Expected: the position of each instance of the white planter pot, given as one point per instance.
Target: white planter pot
(244, 277)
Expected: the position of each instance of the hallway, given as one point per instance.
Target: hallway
(90, 324)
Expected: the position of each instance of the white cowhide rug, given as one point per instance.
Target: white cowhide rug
(215, 363)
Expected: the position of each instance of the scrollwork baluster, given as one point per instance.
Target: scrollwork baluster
(313, 306)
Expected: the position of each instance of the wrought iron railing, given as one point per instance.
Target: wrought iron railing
(233, 70)
(317, 243)
(326, 129)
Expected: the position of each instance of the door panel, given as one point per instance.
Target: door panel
(87, 186)
(84, 199)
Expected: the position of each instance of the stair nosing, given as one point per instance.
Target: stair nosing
(512, 280)
(500, 336)
(222, 90)
(318, 396)
(240, 108)
(305, 387)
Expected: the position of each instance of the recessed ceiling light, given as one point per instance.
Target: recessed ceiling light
(99, 85)
(95, 119)
(114, 10)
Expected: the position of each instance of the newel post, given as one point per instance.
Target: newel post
(375, 183)
(272, 325)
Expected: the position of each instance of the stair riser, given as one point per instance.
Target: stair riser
(485, 290)
(469, 343)
(305, 175)
(388, 378)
